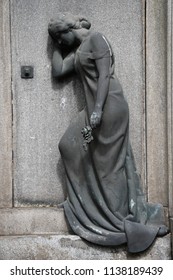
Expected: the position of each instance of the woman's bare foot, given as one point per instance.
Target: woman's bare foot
(163, 230)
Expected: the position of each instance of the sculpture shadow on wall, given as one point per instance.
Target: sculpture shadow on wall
(77, 91)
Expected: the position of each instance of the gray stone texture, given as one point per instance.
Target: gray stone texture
(43, 108)
(170, 101)
(171, 230)
(5, 108)
(24, 221)
(61, 247)
(156, 96)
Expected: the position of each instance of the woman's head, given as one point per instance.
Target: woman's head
(62, 26)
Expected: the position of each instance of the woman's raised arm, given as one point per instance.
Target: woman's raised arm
(61, 67)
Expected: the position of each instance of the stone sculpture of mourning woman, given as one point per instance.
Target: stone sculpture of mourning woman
(105, 203)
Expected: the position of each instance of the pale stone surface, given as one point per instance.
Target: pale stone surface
(5, 108)
(23, 221)
(54, 247)
(171, 230)
(170, 101)
(43, 108)
(156, 94)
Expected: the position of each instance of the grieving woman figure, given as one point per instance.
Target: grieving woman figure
(105, 203)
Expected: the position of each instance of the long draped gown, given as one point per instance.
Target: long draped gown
(105, 203)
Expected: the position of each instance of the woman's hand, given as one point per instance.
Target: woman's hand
(95, 118)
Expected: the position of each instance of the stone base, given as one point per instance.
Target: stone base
(32, 221)
(71, 247)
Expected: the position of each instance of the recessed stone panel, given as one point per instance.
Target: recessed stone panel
(43, 108)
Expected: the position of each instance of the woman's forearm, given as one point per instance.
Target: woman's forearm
(57, 63)
(102, 92)
(60, 66)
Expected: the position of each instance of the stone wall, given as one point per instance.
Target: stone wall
(40, 109)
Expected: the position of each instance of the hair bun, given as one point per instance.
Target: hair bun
(65, 21)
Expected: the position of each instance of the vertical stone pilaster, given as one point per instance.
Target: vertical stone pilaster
(156, 101)
(170, 111)
(170, 103)
(5, 108)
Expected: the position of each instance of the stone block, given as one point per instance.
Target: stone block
(70, 247)
(24, 221)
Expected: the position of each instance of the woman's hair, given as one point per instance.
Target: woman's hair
(66, 21)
